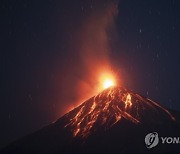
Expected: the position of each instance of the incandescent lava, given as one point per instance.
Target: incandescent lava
(109, 107)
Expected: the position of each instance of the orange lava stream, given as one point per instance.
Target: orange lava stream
(109, 107)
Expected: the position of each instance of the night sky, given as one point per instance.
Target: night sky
(42, 66)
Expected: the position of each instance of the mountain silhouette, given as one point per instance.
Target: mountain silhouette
(114, 121)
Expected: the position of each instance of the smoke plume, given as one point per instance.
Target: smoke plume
(91, 46)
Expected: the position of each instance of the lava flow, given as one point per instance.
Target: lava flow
(109, 107)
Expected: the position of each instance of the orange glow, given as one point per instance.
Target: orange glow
(108, 83)
(107, 80)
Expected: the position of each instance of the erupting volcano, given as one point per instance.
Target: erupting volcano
(114, 121)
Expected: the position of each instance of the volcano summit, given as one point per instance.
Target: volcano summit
(114, 121)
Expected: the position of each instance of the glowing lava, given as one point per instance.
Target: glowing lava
(111, 106)
(108, 83)
(107, 80)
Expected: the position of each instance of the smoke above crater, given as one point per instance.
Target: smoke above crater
(91, 47)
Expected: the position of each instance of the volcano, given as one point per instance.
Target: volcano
(114, 121)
